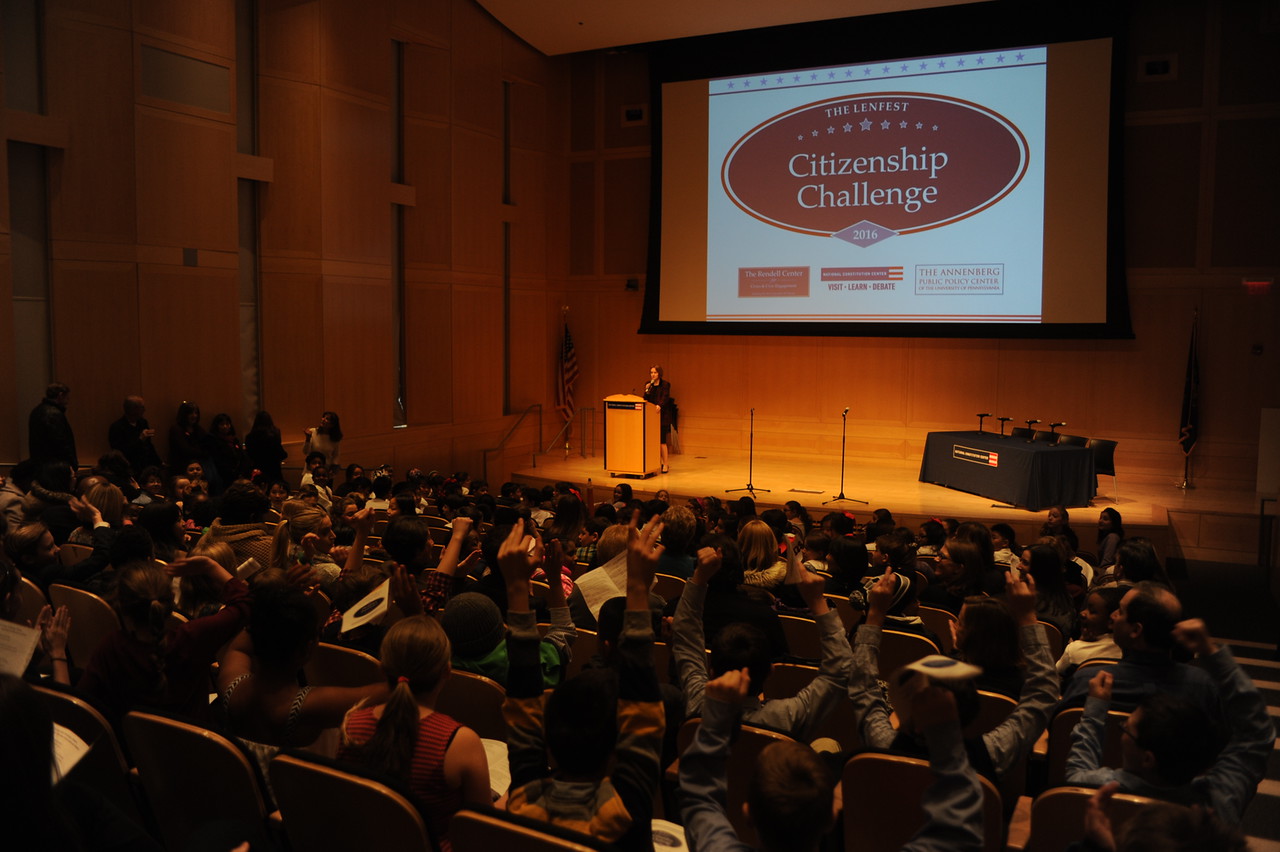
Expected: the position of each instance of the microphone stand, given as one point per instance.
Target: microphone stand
(751, 452)
(844, 431)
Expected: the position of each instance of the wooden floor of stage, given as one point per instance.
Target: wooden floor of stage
(891, 483)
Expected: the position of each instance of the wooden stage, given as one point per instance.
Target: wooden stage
(1175, 519)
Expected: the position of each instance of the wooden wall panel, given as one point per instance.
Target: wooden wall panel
(1162, 189)
(185, 318)
(289, 134)
(98, 302)
(1168, 28)
(426, 82)
(477, 70)
(520, 61)
(209, 25)
(626, 83)
(90, 82)
(1244, 223)
(428, 20)
(355, 49)
(529, 224)
(355, 178)
(582, 218)
(428, 225)
(289, 41)
(528, 116)
(477, 343)
(1239, 368)
(477, 202)
(429, 363)
(535, 336)
(947, 381)
(626, 216)
(291, 309)
(356, 357)
(1039, 380)
(186, 181)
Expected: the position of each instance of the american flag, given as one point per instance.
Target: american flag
(568, 375)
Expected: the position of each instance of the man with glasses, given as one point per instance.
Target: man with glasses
(1170, 747)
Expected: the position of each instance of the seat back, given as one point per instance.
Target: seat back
(584, 648)
(72, 554)
(104, 767)
(939, 621)
(30, 601)
(993, 709)
(334, 665)
(1022, 432)
(849, 616)
(787, 679)
(475, 701)
(191, 776)
(1045, 436)
(1072, 441)
(668, 586)
(1060, 742)
(92, 620)
(1054, 635)
(1057, 816)
(1104, 461)
(802, 637)
(310, 794)
(487, 829)
(739, 768)
(1104, 456)
(898, 648)
(882, 795)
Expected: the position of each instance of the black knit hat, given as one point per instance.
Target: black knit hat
(473, 624)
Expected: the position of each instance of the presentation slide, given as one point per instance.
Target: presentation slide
(964, 191)
(912, 191)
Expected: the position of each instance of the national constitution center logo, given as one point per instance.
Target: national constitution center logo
(867, 167)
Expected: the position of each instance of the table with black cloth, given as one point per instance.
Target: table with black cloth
(1031, 475)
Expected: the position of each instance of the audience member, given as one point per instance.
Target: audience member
(1169, 746)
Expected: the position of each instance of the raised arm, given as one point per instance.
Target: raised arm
(1242, 764)
(702, 766)
(953, 802)
(1084, 762)
(870, 708)
(689, 643)
(800, 713)
(1013, 737)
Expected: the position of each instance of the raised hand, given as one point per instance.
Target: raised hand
(54, 626)
(404, 592)
(1193, 634)
(1100, 686)
(880, 597)
(1020, 596)
(731, 687)
(643, 551)
(707, 567)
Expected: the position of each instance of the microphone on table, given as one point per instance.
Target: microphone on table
(846, 411)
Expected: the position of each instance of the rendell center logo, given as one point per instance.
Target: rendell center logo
(868, 167)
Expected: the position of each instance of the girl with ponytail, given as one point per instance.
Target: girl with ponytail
(306, 536)
(152, 662)
(442, 762)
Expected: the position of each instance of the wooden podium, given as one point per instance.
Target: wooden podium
(631, 436)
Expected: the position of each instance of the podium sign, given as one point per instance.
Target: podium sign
(631, 435)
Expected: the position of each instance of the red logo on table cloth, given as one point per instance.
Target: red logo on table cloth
(867, 167)
(971, 454)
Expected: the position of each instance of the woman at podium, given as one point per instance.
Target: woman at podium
(658, 392)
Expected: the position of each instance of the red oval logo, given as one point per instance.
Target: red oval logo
(902, 160)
